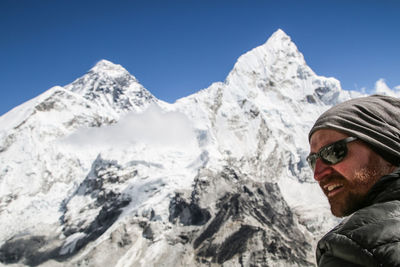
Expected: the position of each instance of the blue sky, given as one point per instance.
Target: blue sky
(175, 48)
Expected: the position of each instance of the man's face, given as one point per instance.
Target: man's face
(346, 183)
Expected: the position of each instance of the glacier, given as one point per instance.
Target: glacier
(102, 173)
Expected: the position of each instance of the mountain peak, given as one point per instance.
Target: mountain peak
(276, 60)
(111, 86)
(279, 33)
(109, 68)
(278, 39)
(278, 66)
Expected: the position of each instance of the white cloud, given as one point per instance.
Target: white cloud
(363, 90)
(153, 127)
(382, 88)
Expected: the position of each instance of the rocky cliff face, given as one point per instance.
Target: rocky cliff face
(101, 173)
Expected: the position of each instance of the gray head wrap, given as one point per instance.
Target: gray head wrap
(374, 119)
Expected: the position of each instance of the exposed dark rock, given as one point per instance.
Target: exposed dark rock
(32, 250)
(121, 237)
(124, 241)
(187, 213)
(7, 142)
(103, 172)
(184, 238)
(16, 249)
(321, 91)
(229, 208)
(106, 217)
(254, 113)
(260, 192)
(6, 200)
(247, 191)
(52, 102)
(208, 251)
(235, 244)
(46, 105)
(148, 233)
(26, 249)
(264, 203)
(311, 99)
(229, 174)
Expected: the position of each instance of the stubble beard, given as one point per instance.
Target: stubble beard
(355, 191)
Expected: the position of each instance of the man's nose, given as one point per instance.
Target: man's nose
(321, 170)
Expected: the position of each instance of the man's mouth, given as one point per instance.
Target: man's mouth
(332, 189)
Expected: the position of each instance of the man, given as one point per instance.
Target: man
(355, 156)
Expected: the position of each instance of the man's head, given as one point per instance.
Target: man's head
(346, 170)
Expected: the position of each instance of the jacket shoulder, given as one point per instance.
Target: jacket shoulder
(370, 237)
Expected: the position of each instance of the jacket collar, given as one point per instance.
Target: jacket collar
(386, 189)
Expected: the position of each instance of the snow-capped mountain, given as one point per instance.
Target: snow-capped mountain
(111, 87)
(101, 173)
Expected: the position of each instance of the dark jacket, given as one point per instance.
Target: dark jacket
(371, 235)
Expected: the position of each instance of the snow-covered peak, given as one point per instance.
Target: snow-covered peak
(279, 67)
(279, 33)
(108, 68)
(111, 86)
(276, 65)
(263, 60)
(281, 41)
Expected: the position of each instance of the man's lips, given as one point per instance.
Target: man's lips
(331, 189)
(332, 184)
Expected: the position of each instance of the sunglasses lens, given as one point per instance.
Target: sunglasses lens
(334, 153)
(331, 154)
(312, 159)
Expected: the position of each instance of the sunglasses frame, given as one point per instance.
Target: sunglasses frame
(332, 149)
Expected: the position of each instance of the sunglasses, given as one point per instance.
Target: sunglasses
(331, 154)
